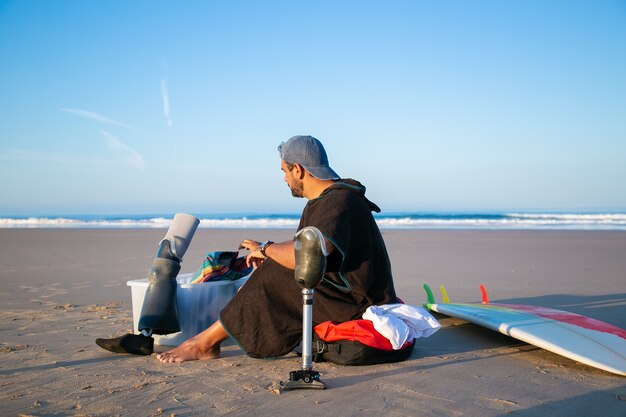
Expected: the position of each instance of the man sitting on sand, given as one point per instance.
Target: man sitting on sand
(265, 316)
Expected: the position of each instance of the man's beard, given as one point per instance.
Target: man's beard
(297, 189)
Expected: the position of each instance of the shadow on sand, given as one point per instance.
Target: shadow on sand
(599, 403)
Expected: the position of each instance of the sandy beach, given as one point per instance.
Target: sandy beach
(62, 288)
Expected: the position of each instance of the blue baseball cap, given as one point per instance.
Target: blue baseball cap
(308, 152)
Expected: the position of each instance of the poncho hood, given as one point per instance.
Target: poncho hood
(354, 186)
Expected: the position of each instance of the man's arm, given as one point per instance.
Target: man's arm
(281, 252)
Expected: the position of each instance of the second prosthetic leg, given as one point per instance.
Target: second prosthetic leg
(310, 251)
(159, 312)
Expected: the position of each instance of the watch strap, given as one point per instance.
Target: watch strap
(264, 246)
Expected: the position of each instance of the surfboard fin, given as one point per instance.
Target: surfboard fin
(444, 294)
(483, 290)
(429, 294)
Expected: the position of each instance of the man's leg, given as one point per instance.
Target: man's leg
(205, 345)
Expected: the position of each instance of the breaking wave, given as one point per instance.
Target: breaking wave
(517, 221)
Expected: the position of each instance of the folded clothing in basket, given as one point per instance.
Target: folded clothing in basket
(222, 266)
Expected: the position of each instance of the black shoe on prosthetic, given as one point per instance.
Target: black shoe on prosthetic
(310, 252)
(135, 344)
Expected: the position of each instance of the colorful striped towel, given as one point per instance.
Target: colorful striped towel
(221, 266)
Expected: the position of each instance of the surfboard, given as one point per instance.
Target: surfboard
(583, 339)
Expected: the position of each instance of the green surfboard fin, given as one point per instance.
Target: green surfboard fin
(429, 294)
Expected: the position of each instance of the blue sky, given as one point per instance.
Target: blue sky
(157, 107)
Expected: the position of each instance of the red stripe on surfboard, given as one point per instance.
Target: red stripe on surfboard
(567, 317)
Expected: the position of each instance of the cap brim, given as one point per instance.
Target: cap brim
(323, 173)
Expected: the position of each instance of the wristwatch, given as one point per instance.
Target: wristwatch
(264, 246)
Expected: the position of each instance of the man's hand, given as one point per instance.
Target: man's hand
(251, 245)
(255, 257)
(282, 252)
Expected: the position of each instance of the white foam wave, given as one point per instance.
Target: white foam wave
(246, 223)
(34, 222)
(509, 221)
(514, 221)
(602, 218)
(157, 222)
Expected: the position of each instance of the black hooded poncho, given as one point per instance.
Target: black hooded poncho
(265, 316)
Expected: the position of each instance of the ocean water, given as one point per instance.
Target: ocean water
(503, 221)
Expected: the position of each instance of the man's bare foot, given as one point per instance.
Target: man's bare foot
(190, 350)
(204, 345)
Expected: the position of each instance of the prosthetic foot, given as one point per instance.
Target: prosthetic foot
(159, 313)
(310, 251)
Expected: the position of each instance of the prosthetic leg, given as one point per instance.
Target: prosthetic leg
(311, 255)
(159, 313)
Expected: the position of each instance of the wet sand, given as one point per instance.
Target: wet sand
(62, 288)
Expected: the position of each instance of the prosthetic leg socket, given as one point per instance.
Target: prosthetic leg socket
(310, 252)
(159, 312)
